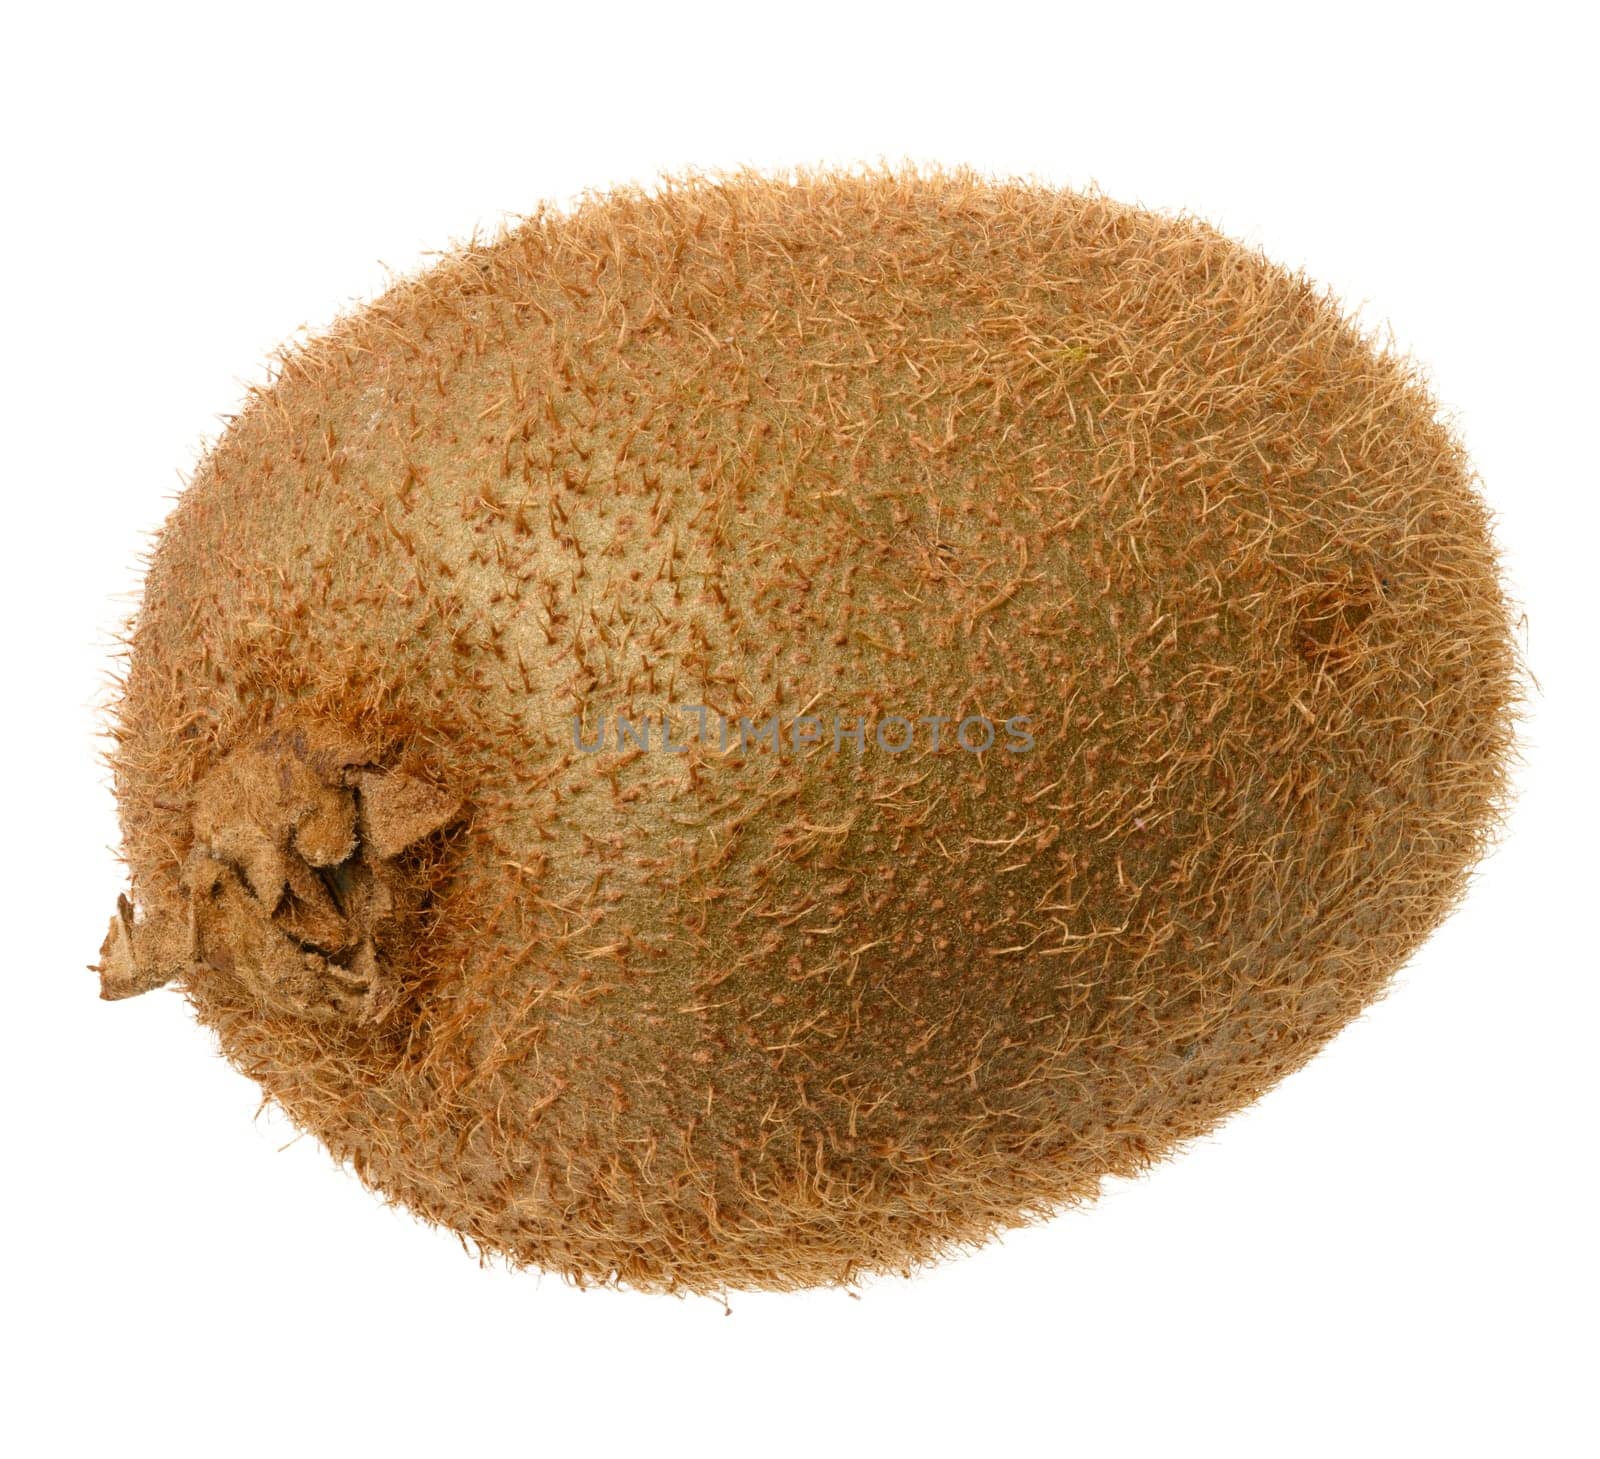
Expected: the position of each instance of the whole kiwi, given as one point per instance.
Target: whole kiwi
(757, 730)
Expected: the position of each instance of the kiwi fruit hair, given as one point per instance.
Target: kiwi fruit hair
(487, 753)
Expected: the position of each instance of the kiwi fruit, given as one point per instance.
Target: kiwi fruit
(762, 729)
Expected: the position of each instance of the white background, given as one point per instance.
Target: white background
(1391, 1254)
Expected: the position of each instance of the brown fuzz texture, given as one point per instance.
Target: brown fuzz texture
(855, 446)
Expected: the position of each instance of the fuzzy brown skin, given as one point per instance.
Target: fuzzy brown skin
(869, 445)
